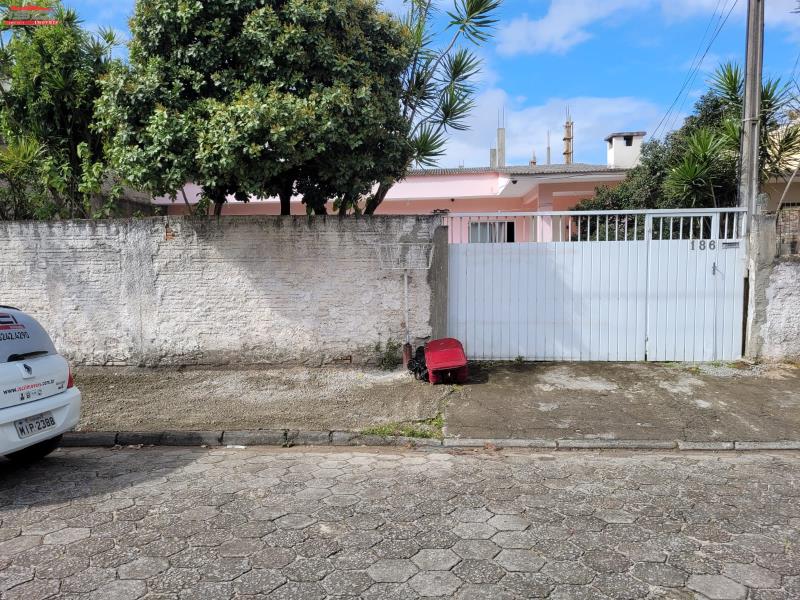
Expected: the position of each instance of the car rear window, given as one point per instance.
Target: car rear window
(21, 337)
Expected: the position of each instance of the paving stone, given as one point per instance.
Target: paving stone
(519, 560)
(606, 561)
(225, 569)
(478, 571)
(435, 559)
(435, 583)
(207, 590)
(258, 581)
(66, 535)
(477, 591)
(576, 592)
(437, 539)
(528, 585)
(573, 573)
(659, 574)
(523, 540)
(508, 523)
(476, 549)
(293, 590)
(615, 516)
(354, 560)
(752, 576)
(310, 523)
(396, 548)
(38, 589)
(143, 568)
(621, 587)
(717, 587)
(295, 521)
(347, 583)
(240, 548)
(65, 566)
(174, 579)
(87, 580)
(474, 531)
(120, 590)
(392, 570)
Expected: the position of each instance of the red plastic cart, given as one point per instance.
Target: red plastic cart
(446, 361)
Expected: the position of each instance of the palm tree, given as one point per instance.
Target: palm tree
(707, 174)
(780, 130)
(438, 83)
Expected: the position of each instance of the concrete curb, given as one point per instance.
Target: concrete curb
(290, 437)
(256, 437)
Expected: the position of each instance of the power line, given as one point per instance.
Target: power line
(692, 75)
(692, 65)
(673, 122)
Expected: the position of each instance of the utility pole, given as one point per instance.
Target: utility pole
(749, 168)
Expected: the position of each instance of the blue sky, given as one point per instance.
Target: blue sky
(618, 65)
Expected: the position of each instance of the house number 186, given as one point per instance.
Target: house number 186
(702, 245)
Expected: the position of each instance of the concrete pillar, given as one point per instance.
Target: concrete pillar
(761, 261)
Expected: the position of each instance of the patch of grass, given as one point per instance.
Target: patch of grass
(425, 429)
(389, 358)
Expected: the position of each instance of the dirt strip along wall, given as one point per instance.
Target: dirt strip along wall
(172, 291)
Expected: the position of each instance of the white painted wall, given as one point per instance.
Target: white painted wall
(621, 156)
(781, 327)
(168, 291)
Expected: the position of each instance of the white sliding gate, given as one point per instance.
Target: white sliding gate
(598, 286)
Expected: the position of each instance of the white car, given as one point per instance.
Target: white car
(38, 398)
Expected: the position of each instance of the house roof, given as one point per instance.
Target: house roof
(578, 168)
(625, 134)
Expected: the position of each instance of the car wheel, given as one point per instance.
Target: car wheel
(35, 452)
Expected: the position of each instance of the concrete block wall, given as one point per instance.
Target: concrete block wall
(781, 329)
(170, 291)
(773, 314)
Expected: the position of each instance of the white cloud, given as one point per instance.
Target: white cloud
(527, 126)
(564, 26)
(567, 22)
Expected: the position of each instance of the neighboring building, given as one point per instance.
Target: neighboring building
(495, 188)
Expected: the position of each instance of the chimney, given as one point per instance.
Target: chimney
(569, 139)
(624, 149)
(501, 140)
(533, 159)
(492, 158)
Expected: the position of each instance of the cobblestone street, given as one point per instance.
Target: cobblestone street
(247, 523)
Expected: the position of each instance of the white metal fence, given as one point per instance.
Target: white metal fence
(614, 285)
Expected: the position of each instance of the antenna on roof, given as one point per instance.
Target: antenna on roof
(501, 138)
(569, 139)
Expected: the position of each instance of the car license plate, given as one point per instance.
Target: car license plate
(35, 424)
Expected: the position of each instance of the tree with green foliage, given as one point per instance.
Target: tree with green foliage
(259, 97)
(696, 166)
(49, 82)
(439, 80)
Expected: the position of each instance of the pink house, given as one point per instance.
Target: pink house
(530, 188)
